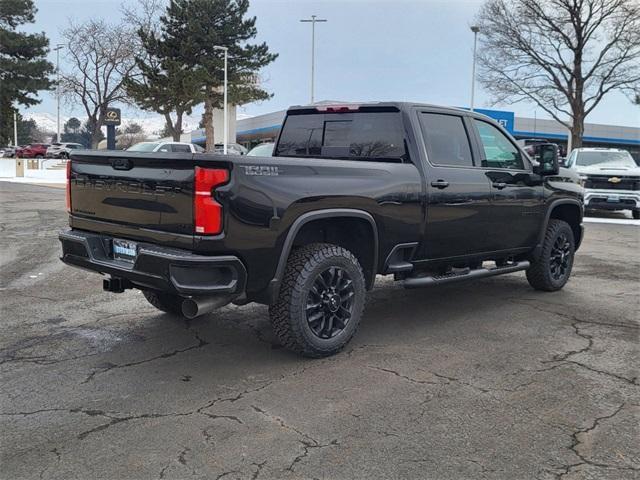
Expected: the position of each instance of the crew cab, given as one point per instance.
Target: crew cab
(428, 194)
(610, 176)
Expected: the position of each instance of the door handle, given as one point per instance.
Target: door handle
(499, 185)
(440, 184)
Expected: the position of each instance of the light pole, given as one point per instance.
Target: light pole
(15, 128)
(313, 20)
(475, 29)
(225, 113)
(59, 47)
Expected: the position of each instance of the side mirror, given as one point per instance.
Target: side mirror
(547, 155)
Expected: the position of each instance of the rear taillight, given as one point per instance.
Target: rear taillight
(207, 213)
(68, 186)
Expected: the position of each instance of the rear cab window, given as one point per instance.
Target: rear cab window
(370, 134)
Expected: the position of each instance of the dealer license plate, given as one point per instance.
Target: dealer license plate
(125, 250)
(613, 198)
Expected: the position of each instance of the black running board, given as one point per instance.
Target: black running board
(416, 282)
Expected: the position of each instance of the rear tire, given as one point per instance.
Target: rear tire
(551, 270)
(165, 302)
(320, 302)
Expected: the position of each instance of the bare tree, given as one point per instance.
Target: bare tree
(563, 55)
(102, 57)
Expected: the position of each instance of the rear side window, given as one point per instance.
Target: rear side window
(180, 148)
(348, 136)
(447, 140)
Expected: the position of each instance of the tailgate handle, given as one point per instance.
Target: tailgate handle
(121, 164)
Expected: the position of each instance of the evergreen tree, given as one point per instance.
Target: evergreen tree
(163, 85)
(72, 125)
(188, 69)
(24, 69)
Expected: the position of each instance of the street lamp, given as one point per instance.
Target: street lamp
(59, 47)
(313, 20)
(225, 113)
(475, 29)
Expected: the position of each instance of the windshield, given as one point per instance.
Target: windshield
(264, 150)
(622, 159)
(352, 136)
(143, 147)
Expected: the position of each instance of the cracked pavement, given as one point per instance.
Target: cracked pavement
(483, 380)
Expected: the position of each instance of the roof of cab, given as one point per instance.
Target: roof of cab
(402, 106)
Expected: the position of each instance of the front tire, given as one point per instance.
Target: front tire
(165, 302)
(636, 214)
(320, 302)
(552, 269)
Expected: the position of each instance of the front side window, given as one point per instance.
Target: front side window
(143, 147)
(499, 152)
(446, 139)
(348, 136)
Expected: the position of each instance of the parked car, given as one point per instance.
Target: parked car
(62, 150)
(262, 150)
(34, 150)
(165, 147)
(7, 152)
(432, 195)
(610, 176)
(232, 149)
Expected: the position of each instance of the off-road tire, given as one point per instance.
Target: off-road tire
(636, 214)
(289, 314)
(539, 274)
(164, 302)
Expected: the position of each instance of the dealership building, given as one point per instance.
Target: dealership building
(264, 128)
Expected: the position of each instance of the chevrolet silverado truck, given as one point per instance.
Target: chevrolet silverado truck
(611, 179)
(431, 195)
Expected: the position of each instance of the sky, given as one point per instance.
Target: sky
(368, 50)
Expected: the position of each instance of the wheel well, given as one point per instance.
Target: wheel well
(354, 234)
(571, 214)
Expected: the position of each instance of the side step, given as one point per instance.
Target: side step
(416, 282)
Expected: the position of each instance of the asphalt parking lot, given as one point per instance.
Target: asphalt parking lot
(481, 380)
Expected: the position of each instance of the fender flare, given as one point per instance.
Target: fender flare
(552, 206)
(274, 284)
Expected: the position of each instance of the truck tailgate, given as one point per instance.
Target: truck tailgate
(151, 191)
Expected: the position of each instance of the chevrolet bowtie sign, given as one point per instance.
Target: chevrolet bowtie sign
(112, 116)
(614, 180)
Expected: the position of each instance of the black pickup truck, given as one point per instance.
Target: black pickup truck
(429, 194)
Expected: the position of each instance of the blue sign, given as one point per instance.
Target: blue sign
(506, 119)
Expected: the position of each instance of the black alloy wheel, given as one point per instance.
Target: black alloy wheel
(551, 268)
(560, 257)
(330, 303)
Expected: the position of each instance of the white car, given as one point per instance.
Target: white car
(167, 147)
(611, 178)
(262, 150)
(62, 150)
